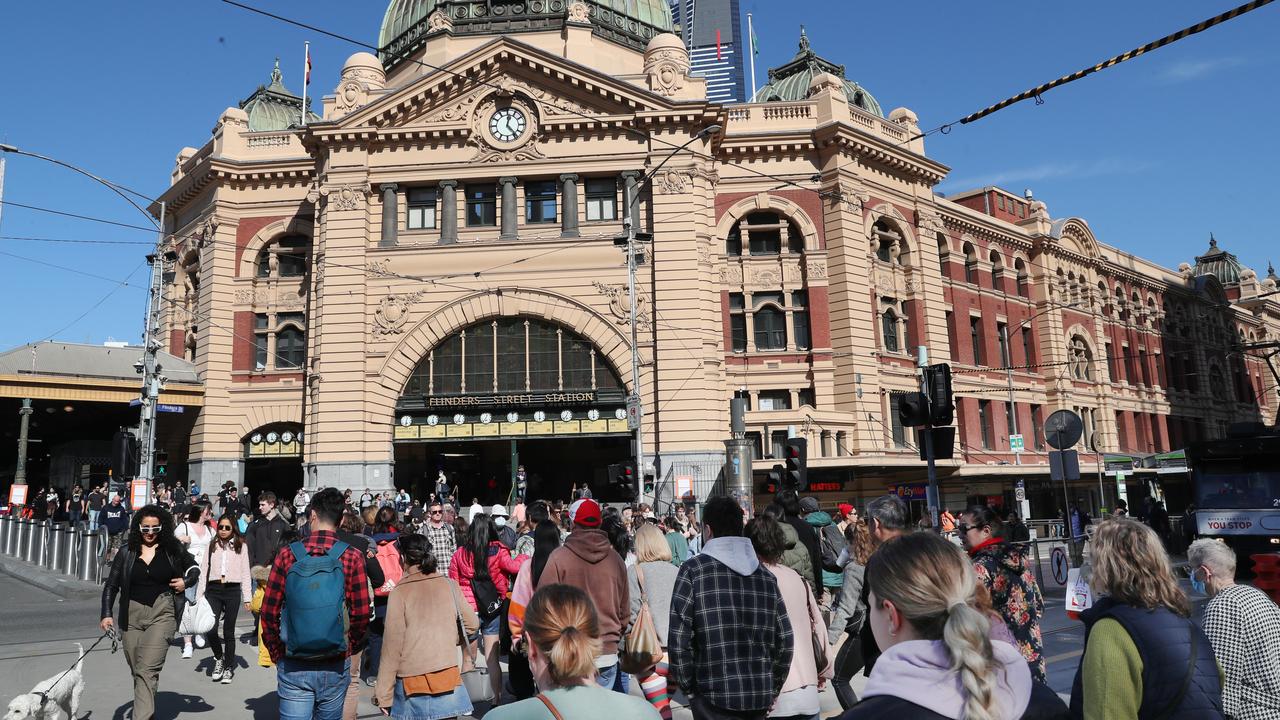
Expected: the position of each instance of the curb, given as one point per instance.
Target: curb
(63, 586)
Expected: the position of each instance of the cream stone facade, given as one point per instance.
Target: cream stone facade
(469, 188)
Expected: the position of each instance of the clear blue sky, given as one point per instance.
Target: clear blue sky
(1154, 153)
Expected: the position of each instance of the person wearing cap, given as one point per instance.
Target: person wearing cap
(506, 533)
(588, 561)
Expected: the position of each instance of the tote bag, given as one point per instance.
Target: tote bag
(641, 649)
(475, 676)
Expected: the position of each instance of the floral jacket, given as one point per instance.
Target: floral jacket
(1006, 572)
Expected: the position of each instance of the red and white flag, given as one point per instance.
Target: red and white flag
(307, 79)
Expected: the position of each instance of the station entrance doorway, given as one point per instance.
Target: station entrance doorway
(272, 461)
(510, 392)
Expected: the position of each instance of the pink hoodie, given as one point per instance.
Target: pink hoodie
(919, 671)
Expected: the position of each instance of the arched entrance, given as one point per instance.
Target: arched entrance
(509, 392)
(273, 460)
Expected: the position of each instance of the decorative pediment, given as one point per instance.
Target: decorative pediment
(562, 91)
(1075, 236)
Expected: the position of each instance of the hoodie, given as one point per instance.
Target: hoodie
(830, 542)
(919, 671)
(588, 562)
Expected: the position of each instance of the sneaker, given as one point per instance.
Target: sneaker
(200, 641)
(227, 675)
(186, 652)
(218, 671)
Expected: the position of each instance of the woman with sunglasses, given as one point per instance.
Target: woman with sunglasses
(225, 582)
(194, 532)
(149, 575)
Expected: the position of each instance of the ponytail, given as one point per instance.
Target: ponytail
(562, 623)
(966, 637)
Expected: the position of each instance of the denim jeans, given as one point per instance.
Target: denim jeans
(93, 520)
(612, 678)
(312, 690)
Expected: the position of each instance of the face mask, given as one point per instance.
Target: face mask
(1197, 585)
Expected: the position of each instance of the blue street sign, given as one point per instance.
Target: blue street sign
(160, 407)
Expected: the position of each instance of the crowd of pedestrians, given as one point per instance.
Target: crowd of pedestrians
(730, 616)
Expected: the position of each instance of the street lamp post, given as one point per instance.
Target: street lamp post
(151, 379)
(631, 197)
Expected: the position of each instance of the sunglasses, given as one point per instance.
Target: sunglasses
(149, 529)
(437, 512)
(224, 527)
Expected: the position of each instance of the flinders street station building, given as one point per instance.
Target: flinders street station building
(425, 275)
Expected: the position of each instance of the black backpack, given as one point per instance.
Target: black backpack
(488, 604)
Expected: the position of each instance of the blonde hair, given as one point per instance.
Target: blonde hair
(1131, 565)
(562, 623)
(651, 544)
(932, 584)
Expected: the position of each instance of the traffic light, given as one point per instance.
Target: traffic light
(941, 405)
(797, 471)
(622, 478)
(162, 464)
(913, 410)
(774, 482)
(124, 455)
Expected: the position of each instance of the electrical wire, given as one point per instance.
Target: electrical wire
(78, 217)
(121, 284)
(81, 242)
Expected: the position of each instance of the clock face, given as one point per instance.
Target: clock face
(486, 418)
(539, 416)
(433, 419)
(620, 414)
(506, 124)
(566, 415)
(513, 416)
(459, 419)
(593, 414)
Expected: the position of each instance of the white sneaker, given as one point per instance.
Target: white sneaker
(200, 642)
(186, 652)
(217, 671)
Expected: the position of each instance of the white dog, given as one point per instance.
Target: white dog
(47, 698)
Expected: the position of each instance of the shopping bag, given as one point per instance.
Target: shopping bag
(641, 649)
(196, 619)
(1079, 597)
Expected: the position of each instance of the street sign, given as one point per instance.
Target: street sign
(634, 411)
(160, 407)
(1058, 559)
(1063, 429)
(1020, 494)
(1016, 444)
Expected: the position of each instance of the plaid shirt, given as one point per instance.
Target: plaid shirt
(729, 639)
(357, 582)
(443, 543)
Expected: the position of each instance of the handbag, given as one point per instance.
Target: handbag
(641, 649)
(820, 659)
(476, 677)
(197, 619)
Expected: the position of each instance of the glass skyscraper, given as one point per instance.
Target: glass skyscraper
(713, 32)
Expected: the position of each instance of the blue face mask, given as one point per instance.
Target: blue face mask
(1197, 585)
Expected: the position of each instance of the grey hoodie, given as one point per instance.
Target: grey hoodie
(588, 562)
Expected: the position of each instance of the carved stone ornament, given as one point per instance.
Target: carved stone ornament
(524, 149)
(346, 197)
(855, 197)
(393, 313)
(793, 273)
(705, 256)
(620, 307)
(674, 182)
(766, 278)
(439, 20)
(929, 220)
(378, 268)
(455, 111)
(205, 233)
(816, 269)
(351, 95)
(578, 12)
(666, 70)
(262, 297)
(731, 275)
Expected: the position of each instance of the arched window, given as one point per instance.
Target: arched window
(889, 328)
(286, 257)
(766, 233)
(944, 254)
(890, 244)
(1020, 269)
(970, 264)
(997, 272)
(512, 354)
(279, 341)
(770, 321)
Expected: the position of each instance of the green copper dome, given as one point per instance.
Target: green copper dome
(790, 82)
(272, 107)
(629, 22)
(1219, 263)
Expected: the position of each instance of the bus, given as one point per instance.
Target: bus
(1236, 487)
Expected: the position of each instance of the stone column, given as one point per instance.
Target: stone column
(24, 422)
(508, 208)
(631, 178)
(390, 215)
(448, 212)
(569, 206)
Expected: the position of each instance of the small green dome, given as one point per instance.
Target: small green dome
(790, 82)
(1219, 263)
(272, 107)
(630, 22)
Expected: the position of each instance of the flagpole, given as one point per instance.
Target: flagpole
(306, 77)
(751, 41)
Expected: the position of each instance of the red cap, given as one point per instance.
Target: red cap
(585, 512)
(845, 509)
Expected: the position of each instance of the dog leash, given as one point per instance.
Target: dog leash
(109, 633)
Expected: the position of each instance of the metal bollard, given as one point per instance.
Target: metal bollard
(70, 551)
(54, 553)
(28, 535)
(11, 543)
(92, 546)
(4, 534)
(40, 553)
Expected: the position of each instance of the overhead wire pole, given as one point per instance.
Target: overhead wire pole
(151, 379)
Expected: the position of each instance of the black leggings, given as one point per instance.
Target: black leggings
(225, 599)
(848, 662)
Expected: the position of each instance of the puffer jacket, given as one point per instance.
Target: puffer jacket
(1006, 572)
(120, 577)
(501, 563)
(796, 556)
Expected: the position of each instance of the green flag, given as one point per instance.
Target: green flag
(755, 44)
